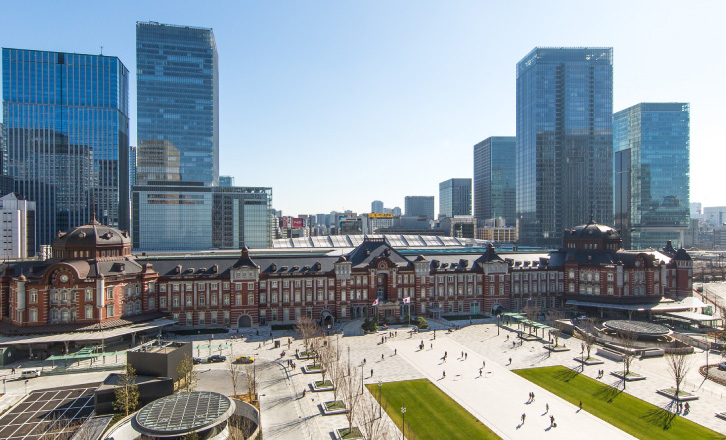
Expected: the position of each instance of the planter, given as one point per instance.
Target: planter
(682, 395)
(309, 369)
(306, 355)
(556, 349)
(631, 377)
(530, 338)
(320, 385)
(589, 361)
(344, 434)
(334, 407)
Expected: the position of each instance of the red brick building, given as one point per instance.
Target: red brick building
(93, 278)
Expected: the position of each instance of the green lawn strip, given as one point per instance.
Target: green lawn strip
(630, 414)
(430, 413)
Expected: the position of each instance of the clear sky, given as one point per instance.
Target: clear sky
(335, 104)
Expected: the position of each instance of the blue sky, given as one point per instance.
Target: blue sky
(335, 104)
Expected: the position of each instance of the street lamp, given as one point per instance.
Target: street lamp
(499, 323)
(582, 355)
(380, 404)
(403, 411)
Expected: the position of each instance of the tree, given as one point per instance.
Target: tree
(327, 354)
(234, 371)
(336, 371)
(187, 375)
(307, 329)
(422, 324)
(369, 422)
(589, 335)
(532, 312)
(627, 340)
(351, 393)
(678, 365)
(554, 320)
(251, 381)
(127, 392)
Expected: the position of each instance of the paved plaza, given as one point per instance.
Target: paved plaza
(498, 398)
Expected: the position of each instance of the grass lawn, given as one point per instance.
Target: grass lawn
(634, 416)
(430, 413)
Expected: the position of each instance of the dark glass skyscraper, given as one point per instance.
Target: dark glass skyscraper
(455, 197)
(495, 184)
(651, 142)
(419, 206)
(564, 141)
(67, 137)
(177, 77)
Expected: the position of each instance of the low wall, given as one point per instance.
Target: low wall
(244, 409)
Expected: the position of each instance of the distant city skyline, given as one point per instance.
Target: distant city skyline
(399, 90)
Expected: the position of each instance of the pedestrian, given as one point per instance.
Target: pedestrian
(364, 361)
(382, 358)
(484, 364)
(523, 417)
(304, 393)
(510, 361)
(688, 407)
(432, 345)
(462, 355)
(580, 405)
(466, 355)
(533, 397)
(479, 372)
(444, 374)
(552, 421)
(371, 372)
(547, 407)
(395, 351)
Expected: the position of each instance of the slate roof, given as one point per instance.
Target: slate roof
(372, 249)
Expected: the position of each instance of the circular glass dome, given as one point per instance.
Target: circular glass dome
(184, 412)
(637, 327)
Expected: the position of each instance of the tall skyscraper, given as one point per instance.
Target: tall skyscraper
(177, 77)
(377, 207)
(495, 185)
(419, 206)
(564, 141)
(651, 142)
(67, 137)
(455, 197)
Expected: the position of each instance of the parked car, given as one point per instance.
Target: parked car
(196, 360)
(722, 366)
(31, 372)
(216, 358)
(245, 360)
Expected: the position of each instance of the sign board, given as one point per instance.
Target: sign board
(374, 215)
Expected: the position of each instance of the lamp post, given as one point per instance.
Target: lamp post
(403, 411)
(380, 404)
(499, 323)
(349, 360)
(582, 355)
(361, 378)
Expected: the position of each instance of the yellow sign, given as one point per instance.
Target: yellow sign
(373, 215)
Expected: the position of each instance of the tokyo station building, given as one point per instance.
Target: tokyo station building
(93, 280)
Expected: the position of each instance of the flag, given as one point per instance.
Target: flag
(375, 303)
(407, 300)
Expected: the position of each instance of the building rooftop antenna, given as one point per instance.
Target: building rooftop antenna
(101, 50)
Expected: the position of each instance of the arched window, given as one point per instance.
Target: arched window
(65, 315)
(54, 314)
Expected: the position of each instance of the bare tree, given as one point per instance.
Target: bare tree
(351, 394)
(187, 374)
(307, 329)
(627, 340)
(251, 381)
(127, 392)
(678, 365)
(589, 335)
(554, 320)
(336, 371)
(532, 312)
(327, 355)
(234, 371)
(241, 428)
(370, 421)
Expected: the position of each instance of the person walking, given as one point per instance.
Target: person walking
(580, 405)
(547, 408)
(480, 372)
(444, 374)
(395, 351)
(484, 364)
(523, 417)
(552, 421)
(382, 358)
(371, 372)
(532, 396)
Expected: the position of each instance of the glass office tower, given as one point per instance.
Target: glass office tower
(564, 141)
(455, 197)
(177, 77)
(67, 137)
(651, 144)
(419, 206)
(495, 192)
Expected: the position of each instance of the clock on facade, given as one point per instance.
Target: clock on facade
(64, 278)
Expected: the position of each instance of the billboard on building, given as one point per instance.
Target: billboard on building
(374, 215)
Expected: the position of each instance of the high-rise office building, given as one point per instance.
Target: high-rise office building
(6, 182)
(184, 216)
(376, 207)
(419, 206)
(17, 236)
(177, 77)
(67, 137)
(564, 141)
(651, 144)
(495, 184)
(455, 197)
(226, 180)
